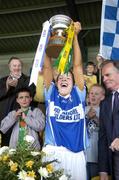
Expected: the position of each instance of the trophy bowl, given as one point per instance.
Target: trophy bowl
(59, 23)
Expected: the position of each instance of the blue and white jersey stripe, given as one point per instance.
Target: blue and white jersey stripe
(65, 123)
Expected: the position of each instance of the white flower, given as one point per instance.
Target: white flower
(29, 139)
(22, 175)
(63, 177)
(43, 172)
(12, 151)
(29, 178)
(4, 149)
(45, 150)
(11, 163)
(33, 153)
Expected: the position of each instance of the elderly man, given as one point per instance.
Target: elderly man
(109, 123)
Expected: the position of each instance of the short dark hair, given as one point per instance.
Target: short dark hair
(14, 57)
(67, 73)
(90, 63)
(114, 63)
(24, 89)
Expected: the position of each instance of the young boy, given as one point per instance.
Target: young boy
(96, 95)
(25, 120)
(90, 77)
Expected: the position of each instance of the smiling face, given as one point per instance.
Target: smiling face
(90, 69)
(110, 76)
(96, 95)
(15, 67)
(65, 84)
(24, 99)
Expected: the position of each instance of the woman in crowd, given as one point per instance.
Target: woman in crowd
(65, 132)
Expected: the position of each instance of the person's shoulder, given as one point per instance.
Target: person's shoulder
(51, 88)
(106, 99)
(93, 76)
(3, 78)
(35, 109)
(85, 76)
(24, 76)
(11, 113)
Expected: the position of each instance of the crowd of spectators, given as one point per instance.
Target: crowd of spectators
(79, 125)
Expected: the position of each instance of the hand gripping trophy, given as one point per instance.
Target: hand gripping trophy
(60, 42)
(56, 40)
(59, 25)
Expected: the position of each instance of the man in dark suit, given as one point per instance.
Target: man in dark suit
(109, 124)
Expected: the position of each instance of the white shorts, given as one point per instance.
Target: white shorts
(74, 164)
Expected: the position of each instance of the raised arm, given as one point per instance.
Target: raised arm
(47, 71)
(77, 59)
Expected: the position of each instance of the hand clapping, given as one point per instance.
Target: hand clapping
(115, 145)
(11, 82)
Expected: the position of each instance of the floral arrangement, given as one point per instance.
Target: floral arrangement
(24, 163)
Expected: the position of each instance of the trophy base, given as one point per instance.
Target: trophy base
(55, 45)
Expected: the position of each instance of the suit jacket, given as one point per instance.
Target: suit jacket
(105, 135)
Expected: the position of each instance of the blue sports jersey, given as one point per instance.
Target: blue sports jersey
(65, 119)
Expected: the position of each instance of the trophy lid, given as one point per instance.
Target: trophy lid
(60, 21)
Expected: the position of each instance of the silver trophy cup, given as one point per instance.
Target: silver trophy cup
(59, 24)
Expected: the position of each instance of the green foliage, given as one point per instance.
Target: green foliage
(25, 162)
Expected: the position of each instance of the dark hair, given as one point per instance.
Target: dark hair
(90, 63)
(67, 73)
(114, 63)
(25, 89)
(13, 57)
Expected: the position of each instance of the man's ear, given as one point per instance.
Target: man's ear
(103, 97)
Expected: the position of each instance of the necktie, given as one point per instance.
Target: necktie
(115, 116)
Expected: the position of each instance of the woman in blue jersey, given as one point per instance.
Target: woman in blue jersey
(65, 132)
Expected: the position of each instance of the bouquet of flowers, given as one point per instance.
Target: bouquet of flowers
(24, 163)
